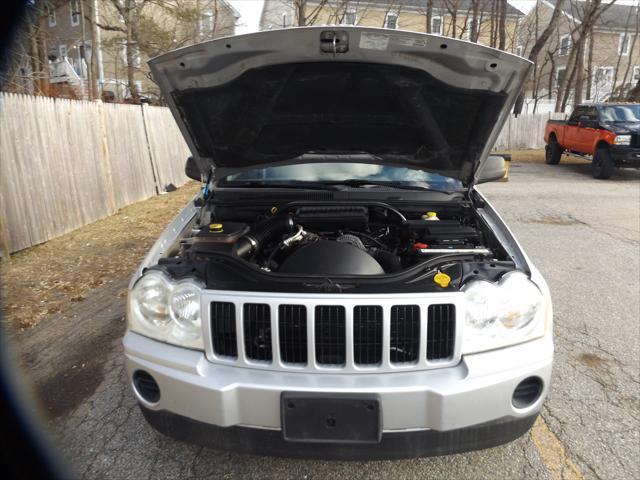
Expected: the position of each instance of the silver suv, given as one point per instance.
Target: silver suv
(339, 288)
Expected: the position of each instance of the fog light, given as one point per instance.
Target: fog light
(527, 392)
(146, 386)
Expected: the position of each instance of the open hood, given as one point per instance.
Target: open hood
(406, 99)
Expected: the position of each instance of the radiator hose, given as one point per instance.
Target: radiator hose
(261, 232)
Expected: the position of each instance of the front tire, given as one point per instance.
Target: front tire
(602, 165)
(553, 152)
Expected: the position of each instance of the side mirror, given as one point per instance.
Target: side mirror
(494, 168)
(518, 105)
(192, 170)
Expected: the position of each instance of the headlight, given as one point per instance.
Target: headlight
(166, 310)
(623, 140)
(504, 313)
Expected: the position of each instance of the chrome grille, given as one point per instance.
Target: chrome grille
(333, 333)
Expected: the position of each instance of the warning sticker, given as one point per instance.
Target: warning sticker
(381, 41)
(374, 41)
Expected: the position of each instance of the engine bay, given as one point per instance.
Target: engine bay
(308, 243)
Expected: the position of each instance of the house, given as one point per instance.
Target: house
(153, 28)
(611, 57)
(451, 18)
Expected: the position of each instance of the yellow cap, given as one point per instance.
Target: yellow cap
(273, 210)
(215, 227)
(432, 214)
(442, 279)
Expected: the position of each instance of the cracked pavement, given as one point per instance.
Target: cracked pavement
(584, 236)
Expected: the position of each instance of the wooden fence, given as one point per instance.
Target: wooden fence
(525, 131)
(67, 163)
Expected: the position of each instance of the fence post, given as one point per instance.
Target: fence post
(106, 158)
(154, 169)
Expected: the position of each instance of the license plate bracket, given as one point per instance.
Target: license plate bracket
(331, 418)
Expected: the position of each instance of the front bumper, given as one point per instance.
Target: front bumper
(625, 156)
(434, 406)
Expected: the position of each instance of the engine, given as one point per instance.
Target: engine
(331, 240)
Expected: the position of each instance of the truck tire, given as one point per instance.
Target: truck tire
(602, 164)
(553, 152)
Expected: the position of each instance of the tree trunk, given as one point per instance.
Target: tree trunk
(94, 88)
(590, 65)
(429, 15)
(129, 53)
(85, 56)
(502, 25)
(541, 41)
(300, 8)
(473, 35)
(579, 70)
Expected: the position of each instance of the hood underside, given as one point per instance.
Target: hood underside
(406, 99)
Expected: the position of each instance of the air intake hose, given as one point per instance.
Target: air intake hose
(261, 232)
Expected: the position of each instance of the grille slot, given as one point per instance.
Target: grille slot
(257, 331)
(223, 329)
(330, 335)
(292, 330)
(405, 333)
(367, 335)
(441, 331)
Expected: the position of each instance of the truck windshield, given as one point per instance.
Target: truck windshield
(345, 172)
(620, 113)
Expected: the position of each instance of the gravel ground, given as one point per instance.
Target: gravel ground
(583, 234)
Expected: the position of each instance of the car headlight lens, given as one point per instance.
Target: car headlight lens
(166, 310)
(623, 140)
(504, 313)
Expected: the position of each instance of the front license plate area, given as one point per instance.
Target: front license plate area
(337, 418)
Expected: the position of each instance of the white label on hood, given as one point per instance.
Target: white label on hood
(374, 41)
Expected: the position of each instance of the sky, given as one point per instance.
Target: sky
(250, 11)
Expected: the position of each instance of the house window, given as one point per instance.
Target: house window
(560, 76)
(350, 17)
(391, 21)
(62, 50)
(565, 44)
(623, 44)
(603, 75)
(75, 12)
(636, 74)
(52, 17)
(206, 23)
(284, 20)
(519, 50)
(436, 25)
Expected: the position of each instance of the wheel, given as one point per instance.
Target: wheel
(553, 152)
(602, 165)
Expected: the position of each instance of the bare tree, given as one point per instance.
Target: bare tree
(592, 12)
(502, 24)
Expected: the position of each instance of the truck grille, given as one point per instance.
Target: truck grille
(316, 335)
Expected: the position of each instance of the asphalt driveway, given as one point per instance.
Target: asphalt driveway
(583, 234)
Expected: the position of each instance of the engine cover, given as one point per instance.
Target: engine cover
(330, 258)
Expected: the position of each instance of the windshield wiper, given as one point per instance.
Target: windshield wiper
(357, 183)
(276, 184)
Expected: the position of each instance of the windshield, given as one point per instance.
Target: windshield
(345, 172)
(620, 113)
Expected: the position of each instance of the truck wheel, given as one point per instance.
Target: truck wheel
(553, 152)
(602, 165)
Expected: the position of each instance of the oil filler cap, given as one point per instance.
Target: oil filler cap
(442, 279)
(215, 227)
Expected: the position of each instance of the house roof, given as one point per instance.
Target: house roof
(615, 17)
(463, 5)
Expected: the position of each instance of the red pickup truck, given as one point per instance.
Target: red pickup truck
(606, 134)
